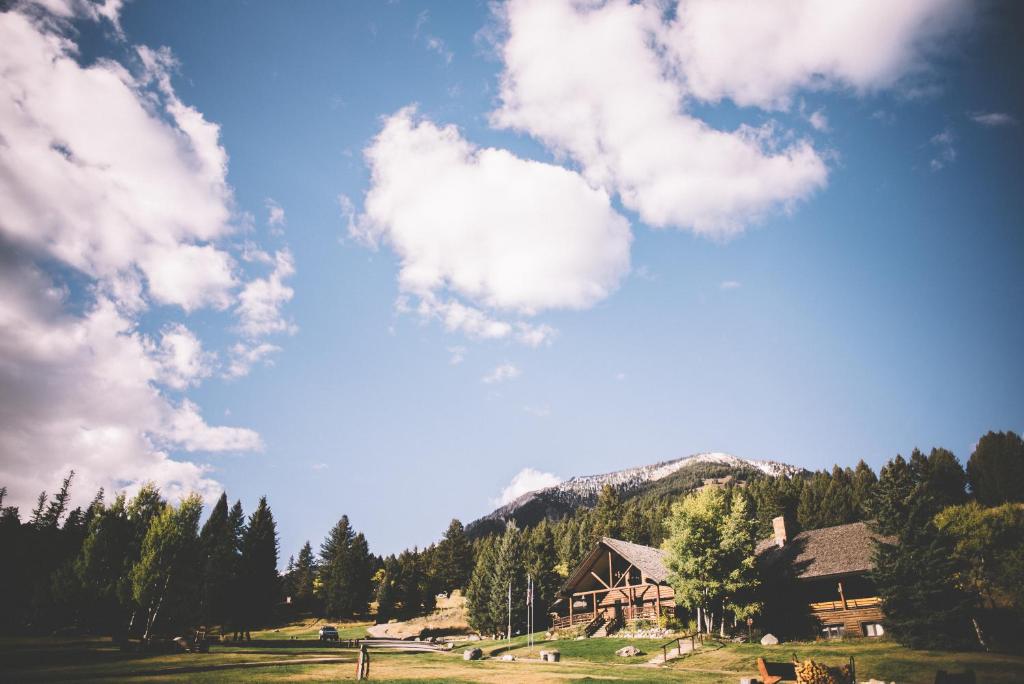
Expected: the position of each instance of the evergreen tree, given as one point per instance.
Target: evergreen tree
(219, 565)
(387, 590)
(304, 576)
(508, 571)
(863, 484)
(607, 513)
(344, 571)
(947, 479)
(916, 570)
(481, 587)
(995, 470)
(541, 559)
(259, 576)
(455, 558)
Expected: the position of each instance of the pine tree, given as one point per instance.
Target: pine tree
(259, 566)
(996, 469)
(864, 481)
(387, 590)
(455, 558)
(916, 571)
(947, 479)
(541, 560)
(345, 571)
(304, 575)
(607, 514)
(481, 586)
(219, 565)
(508, 571)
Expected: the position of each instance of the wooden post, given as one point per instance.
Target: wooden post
(571, 601)
(842, 596)
(657, 600)
(363, 664)
(611, 575)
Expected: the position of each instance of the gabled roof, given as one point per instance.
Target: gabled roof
(646, 559)
(839, 550)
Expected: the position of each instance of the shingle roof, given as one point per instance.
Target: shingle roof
(648, 560)
(827, 551)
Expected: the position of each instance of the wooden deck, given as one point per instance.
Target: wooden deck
(852, 616)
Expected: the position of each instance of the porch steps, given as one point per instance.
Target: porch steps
(660, 659)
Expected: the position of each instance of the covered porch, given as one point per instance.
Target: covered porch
(616, 583)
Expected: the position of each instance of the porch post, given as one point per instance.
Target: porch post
(571, 600)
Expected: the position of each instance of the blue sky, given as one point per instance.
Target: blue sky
(835, 277)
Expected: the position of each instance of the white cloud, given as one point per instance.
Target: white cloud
(526, 480)
(943, 149)
(181, 357)
(260, 302)
(129, 224)
(479, 231)
(730, 285)
(502, 373)
(244, 356)
(188, 430)
(992, 119)
(818, 121)
(620, 376)
(82, 392)
(275, 214)
(613, 106)
(760, 54)
(73, 190)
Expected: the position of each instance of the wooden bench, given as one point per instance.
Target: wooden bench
(772, 673)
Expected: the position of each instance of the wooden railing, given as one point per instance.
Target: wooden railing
(566, 622)
(824, 606)
(693, 637)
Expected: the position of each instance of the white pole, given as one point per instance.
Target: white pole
(509, 615)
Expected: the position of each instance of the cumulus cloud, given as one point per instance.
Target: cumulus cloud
(73, 190)
(759, 54)
(993, 119)
(181, 357)
(244, 356)
(94, 232)
(526, 480)
(614, 106)
(483, 234)
(261, 300)
(502, 373)
(84, 392)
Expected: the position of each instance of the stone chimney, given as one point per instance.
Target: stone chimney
(779, 524)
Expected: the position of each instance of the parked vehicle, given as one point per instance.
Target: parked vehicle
(328, 633)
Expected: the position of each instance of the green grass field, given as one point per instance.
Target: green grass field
(37, 660)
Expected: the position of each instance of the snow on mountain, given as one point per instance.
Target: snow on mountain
(583, 490)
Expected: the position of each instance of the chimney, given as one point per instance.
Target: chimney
(779, 524)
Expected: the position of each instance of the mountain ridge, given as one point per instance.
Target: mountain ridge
(559, 500)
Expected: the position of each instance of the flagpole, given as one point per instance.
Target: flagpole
(509, 615)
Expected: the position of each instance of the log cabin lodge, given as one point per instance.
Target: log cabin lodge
(619, 582)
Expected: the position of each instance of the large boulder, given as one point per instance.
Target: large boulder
(550, 656)
(629, 652)
(769, 640)
(508, 657)
(472, 654)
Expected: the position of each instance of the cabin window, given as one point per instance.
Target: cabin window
(832, 631)
(872, 629)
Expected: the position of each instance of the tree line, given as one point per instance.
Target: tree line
(949, 571)
(140, 565)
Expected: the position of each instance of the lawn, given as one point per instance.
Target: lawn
(34, 660)
(309, 629)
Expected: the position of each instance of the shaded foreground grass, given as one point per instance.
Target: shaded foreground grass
(591, 660)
